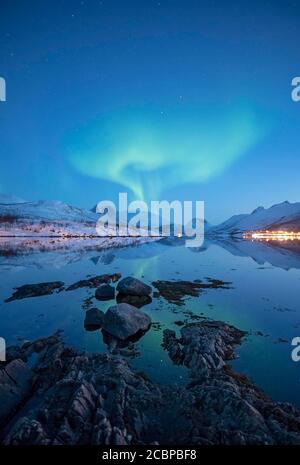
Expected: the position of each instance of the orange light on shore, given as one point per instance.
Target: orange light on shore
(273, 235)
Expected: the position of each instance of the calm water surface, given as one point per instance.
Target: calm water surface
(264, 298)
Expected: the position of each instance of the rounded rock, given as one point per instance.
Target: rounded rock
(133, 286)
(124, 320)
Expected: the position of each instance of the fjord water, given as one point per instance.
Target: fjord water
(263, 300)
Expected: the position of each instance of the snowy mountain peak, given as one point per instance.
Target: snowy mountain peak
(258, 209)
(48, 210)
(284, 216)
(282, 204)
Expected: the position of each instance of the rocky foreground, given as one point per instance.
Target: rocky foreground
(53, 394)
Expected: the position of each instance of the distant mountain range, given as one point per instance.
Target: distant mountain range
(50, 218)
(282, 216)
(47, 210)
(146, 218)
(56, 218)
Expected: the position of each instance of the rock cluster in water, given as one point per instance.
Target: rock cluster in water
(41, 289)
(53, 394)
(95, 281)
(124, 320)
(35, 290)
(175, 291)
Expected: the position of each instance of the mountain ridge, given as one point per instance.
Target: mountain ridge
(283, 215)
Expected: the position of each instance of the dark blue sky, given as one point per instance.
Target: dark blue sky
(163, 99)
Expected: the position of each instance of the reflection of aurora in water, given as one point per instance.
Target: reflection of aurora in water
(150, 151)
(271, 309)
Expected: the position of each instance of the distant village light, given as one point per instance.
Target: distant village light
(273, 235)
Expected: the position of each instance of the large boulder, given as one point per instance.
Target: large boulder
(105, 292)
(93, 319)
(133, 286)
(123, 321)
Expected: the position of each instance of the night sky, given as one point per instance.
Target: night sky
(164, 99)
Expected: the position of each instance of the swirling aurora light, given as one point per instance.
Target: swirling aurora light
(150, 151)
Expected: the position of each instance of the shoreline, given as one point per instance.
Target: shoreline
(54, 394)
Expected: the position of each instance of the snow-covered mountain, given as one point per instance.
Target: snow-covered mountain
(48, 210)
(50, 219)
(45, 218)
(146, 217)
(282, 216)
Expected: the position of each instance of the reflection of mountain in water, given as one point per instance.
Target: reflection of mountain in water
(18, 252)
(42, 252)
(285, 255)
